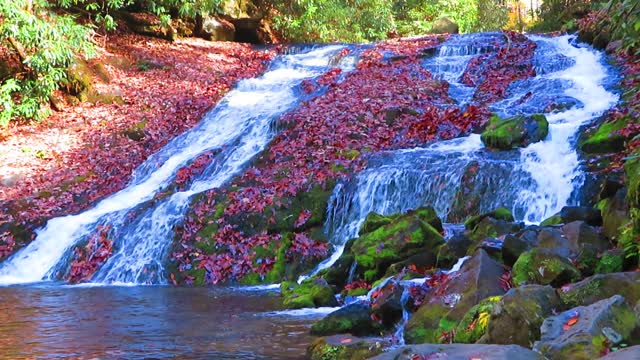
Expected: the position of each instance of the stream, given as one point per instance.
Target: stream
(112, 317)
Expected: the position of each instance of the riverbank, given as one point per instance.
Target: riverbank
(146, 92)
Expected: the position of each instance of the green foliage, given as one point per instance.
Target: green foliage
(554, 14)
(47, 45)
(334, 20)
(624, 16)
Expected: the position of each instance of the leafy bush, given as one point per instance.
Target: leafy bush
(46, 44)
(624, 16)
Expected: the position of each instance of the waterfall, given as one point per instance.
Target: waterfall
(238, 128)
(534, 182)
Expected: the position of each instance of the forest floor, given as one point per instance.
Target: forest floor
(146, 92)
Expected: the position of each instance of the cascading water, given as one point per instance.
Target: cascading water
(238, 128)
(535, 182)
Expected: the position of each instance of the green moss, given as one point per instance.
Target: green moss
(539, 267)
(374, 221)
(350, 154)
(498, 214)
(475, 322)
(604, 139)
(515, 131)
(354, 349)
(311, 293)
(575, 297)
(554, 220)
(357, 292)
(426, 324)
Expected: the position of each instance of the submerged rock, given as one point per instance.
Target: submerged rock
(584, 332)
(460, 352)
(343, 347)
(518, 131)
(353, 319)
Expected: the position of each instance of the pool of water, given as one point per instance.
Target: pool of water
(154, 322)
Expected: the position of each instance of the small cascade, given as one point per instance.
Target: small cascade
(238, 128)
(534, 182)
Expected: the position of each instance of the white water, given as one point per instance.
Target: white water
(240, 125)
(535, 184)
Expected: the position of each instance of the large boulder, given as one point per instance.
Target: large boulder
(408, 234)
(615, 213)
(624, 354)
(517, 317)
(541, 266)
(602, 286)
(460, 352)
(453, 296)
(444, 25)
(604, 138)
(515, 244)
(590, 215)
(386, 303)
(514, 132)
(584, 332)
(353, 319)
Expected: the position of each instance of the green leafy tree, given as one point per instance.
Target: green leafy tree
(46, 44)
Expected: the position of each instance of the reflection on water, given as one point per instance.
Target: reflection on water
(146, 323)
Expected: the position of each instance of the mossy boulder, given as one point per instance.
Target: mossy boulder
(515, 244)
(540, 266)
(489, 227)
(343, 347)
(583, 333)
(311, 293)
(517, 317)
(407, 235)
(514, 132)
(604, 139)
(455, 248)
(474, 323)
(444, 25)
(353, 319)
(615, 213)
(602, 286)
(498, 214)
(590, 215)
(554, 220)
(478, 278)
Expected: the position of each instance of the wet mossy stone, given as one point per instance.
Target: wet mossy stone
(615, 213)
(353, 319)
(455, 248)
(311, 293)
(517, 317)
(387, 304)
(541, 266)
(374, 221)
(475, 322)
(632, 352)
(478, 278)
(515, 244)
(498, 214)
(489, 227)
(602, 286)
(604, 139)
(554, 220)
(459, 352)
(590, 215)
(343, 347)
(607, 321)
(407, 235)
(514, 132)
